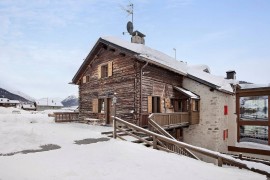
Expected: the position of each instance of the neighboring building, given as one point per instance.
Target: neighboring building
(146, 81)
(29, 107)
(9, 103)
(48, 103)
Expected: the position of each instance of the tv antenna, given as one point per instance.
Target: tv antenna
(129, 10)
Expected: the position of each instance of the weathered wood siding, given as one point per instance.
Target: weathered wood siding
(123, 82)
(157, 81)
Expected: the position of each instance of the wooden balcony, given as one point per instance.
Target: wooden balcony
(66, 116)
(176, 119)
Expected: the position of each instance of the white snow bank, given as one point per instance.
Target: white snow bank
(112, 159)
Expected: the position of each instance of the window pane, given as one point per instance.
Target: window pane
(254, 108)
(256, 134)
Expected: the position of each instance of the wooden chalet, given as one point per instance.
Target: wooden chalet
(189, 102)
(143, 80)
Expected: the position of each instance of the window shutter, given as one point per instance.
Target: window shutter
(84, 79)
(99, 71)
(95, 105)
(110, 68)
(149, 104)
(168, 102)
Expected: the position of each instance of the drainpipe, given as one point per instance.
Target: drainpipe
(141, 88)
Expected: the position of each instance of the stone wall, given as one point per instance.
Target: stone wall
(209, 132)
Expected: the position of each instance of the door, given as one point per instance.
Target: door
(108, 111)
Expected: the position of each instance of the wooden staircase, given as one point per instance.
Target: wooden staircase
(158, 138)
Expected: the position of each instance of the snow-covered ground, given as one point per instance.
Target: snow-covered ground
(113, 159)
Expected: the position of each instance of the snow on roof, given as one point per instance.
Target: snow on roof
(163, 60)
(6, 100)
(219, 81)
(155, 57)
(253, 86)
(187, 92)
(201, 67)
(49, 102)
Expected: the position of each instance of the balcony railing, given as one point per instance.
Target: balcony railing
(171, 119)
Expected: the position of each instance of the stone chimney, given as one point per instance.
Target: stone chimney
(137, 37)
(231, 74)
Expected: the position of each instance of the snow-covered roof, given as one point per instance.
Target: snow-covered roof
(200, 67)
(6, 100)
(49, 102)
(145, 53)
(253, 86)
(219, 81)
(187, 92)
(154, 56)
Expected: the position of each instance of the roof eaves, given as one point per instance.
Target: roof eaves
(82, 67)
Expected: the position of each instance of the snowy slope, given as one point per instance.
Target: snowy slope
(113, 159)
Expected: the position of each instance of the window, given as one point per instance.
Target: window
(101, 106)
(254, 108)
(156, 104)
(88, 78)
(253, 123)
(195, 105)
(256, 134)
(104, 71)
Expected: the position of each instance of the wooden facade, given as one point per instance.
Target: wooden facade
(141, 88)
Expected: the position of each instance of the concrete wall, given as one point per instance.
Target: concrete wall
(209, 132)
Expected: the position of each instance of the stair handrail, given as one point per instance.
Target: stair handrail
(165, 133)
(222, 159)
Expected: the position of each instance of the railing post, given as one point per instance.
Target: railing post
(220, 162)
(241, 158)
(154, 142)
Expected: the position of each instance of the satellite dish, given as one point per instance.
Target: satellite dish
(130, 27)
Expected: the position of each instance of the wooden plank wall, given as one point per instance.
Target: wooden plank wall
(159, 82)
(123, 82)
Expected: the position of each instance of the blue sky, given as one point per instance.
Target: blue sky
(43, 42)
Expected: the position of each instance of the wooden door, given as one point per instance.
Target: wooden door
(108, 110)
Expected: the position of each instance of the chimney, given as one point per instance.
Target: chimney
(231, 74)
(137, 37)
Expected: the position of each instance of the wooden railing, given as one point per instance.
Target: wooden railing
(119, 124)
(153, 126)
(168, 119)
(66, 116)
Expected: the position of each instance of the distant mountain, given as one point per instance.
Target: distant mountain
(70, 101)
(15, 92)
(6, 94)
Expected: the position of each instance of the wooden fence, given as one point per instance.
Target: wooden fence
(66, 116)
(118, 125)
